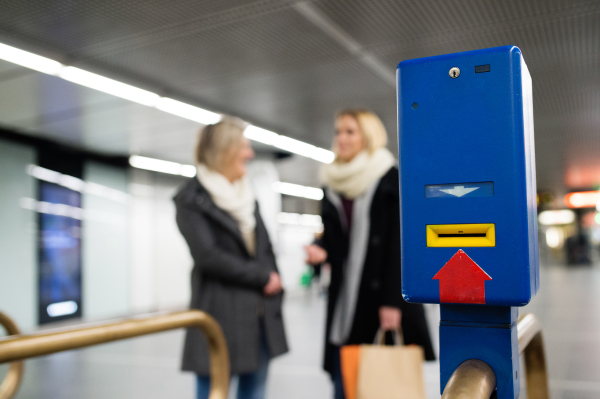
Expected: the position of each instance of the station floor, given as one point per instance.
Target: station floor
(568, 306)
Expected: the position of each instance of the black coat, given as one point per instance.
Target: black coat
(381, 278)
(227, 283)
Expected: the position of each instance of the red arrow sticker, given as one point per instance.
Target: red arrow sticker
(462, 280)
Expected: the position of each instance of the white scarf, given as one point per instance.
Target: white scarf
(234, 198)
(354, 178)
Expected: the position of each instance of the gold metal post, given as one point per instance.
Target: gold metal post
(24, 347)
(11, 383)
(531, 345)
(473, 379)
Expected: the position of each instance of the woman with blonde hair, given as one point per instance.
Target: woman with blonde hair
(361, 242)
(235, 277)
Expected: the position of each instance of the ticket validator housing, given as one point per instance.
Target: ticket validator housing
(468, 201)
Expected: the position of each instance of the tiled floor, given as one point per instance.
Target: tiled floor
(568, 306)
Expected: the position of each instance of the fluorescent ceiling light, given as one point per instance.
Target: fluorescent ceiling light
(144, 97)
(43, 174)
(141, 190)
(297, 190)
(261, 135)
(109, 86)
(313, 222)
(549, 218)
(188, 170)
(29, 60)
(106, 192)
(51, 208)
(187, 111)
(76, 184)
(289, 144)
(158, 165)
(174, 168)
(323, 155)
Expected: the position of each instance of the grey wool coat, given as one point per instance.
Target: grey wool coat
(227, 283)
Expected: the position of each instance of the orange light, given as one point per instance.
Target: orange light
(583, 199)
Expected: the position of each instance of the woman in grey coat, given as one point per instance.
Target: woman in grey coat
(235, 277)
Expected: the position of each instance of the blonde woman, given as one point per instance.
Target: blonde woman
(235, 278)
(361, 241)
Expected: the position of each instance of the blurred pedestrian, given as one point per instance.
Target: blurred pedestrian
(235, 278)
(361, 242)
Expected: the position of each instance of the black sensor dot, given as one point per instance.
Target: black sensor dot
(415, 105)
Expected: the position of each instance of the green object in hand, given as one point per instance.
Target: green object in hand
(306, 277)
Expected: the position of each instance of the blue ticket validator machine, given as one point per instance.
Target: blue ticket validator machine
(468, 202)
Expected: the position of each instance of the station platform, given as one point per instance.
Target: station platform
(148, 367)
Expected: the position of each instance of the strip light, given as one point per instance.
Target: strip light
(299, 220)
(187, 111)
(109, 86)
(51, 208)
(73, 212)
(158, 165)
(297, 190)
(76, 184)
(289, 144)
(550, 218)
(148, 98)
(29, 60)
(174, 168)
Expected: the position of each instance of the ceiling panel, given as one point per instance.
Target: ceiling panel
(272, 65)
(108, 24)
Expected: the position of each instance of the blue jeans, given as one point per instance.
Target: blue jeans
(336, 375)
(250, 385)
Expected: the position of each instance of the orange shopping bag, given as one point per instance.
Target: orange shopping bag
(350, 360)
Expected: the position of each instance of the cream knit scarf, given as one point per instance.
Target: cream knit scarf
(234, 198)
(354, 178)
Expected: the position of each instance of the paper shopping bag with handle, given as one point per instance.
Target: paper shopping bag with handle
(390, 372)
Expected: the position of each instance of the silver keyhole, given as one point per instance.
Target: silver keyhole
(454, 72)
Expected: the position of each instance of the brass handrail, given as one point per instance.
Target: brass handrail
(531, 345)
(28, 346)
(475, 379)
(12, 381)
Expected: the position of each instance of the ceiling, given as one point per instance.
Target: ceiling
(287, 66)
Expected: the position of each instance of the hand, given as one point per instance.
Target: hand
(273, 286)
(315, 255)
(389, 318)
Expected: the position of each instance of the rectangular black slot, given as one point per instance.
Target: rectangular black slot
(461, 235)
(482, 68)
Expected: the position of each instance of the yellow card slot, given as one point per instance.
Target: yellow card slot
(461, 235)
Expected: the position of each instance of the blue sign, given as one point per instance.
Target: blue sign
(467, 179)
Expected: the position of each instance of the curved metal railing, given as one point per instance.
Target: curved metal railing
(11, 383)
(531, 345)
(17, 348)
(475, 379)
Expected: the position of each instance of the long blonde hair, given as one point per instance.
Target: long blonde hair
(371, 126)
